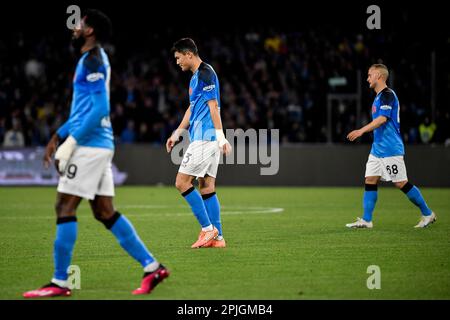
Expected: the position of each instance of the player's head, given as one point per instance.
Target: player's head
(186, 53)
(94, 25)
(377, 74)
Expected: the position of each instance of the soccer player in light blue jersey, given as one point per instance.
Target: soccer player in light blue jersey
(386, 156)
(84, 163)
(207, 141)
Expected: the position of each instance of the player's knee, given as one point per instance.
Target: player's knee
(371, 180)
(182, 185)
(400, 184)
(107, 218)
(178, 184)
(63, 209)
(103, 215)
(207, 189)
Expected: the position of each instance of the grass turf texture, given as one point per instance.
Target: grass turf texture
(303, 252)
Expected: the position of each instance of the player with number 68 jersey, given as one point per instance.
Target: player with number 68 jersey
(386, 162)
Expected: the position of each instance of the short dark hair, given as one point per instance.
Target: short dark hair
(100, 23)
(184, 45)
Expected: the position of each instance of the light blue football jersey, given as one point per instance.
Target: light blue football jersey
(387, 140)
(204, 86)
(89, 121)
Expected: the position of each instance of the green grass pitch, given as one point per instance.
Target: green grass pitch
(283, 243)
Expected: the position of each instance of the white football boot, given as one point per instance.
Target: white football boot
(360, 223)
(425, 221)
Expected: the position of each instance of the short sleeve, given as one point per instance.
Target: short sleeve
(387, 101)
(208, 81)
(95, 73)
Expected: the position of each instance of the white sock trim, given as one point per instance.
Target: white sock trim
(208, 228)
(152, 266)
(61, 283)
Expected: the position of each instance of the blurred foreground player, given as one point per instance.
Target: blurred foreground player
(207, 142)
(84, 163)
(386, 157)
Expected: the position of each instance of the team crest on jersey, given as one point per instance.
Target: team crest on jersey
(374, 109)
(190, 90)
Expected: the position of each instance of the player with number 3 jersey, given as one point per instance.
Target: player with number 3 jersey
(207, 142)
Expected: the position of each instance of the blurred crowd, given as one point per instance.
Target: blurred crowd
(275, 79)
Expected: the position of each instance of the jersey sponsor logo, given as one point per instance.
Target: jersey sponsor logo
(92, 77)
(209, 88)
(386, 107)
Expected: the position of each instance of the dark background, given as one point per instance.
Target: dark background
(149, 94)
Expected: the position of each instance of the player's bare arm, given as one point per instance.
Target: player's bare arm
(378, 122)
(224, 145)
(177, 133)
(50, 149)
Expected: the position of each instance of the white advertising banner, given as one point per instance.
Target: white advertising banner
(25, 167)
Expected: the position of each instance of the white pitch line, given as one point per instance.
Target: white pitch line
(243, 211)
(181, 214)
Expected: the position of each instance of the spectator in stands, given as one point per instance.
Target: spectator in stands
(270, 79)
(128, 135)
(14, 137)
(426, 130)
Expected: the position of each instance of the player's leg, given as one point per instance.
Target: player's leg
(370, 197)
(80, 180)
(207, 187)
(184, 185)
(103, 210)
(154, 272)
(397, 171)
(415, 196)
(66, 234)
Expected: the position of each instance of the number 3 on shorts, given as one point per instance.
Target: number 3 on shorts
(187, 157)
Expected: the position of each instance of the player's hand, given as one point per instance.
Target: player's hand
(226, 148)
(50, 150)
(173, 139)
(63, 154)
(355, 134)
(224, 145)
(170, 144)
